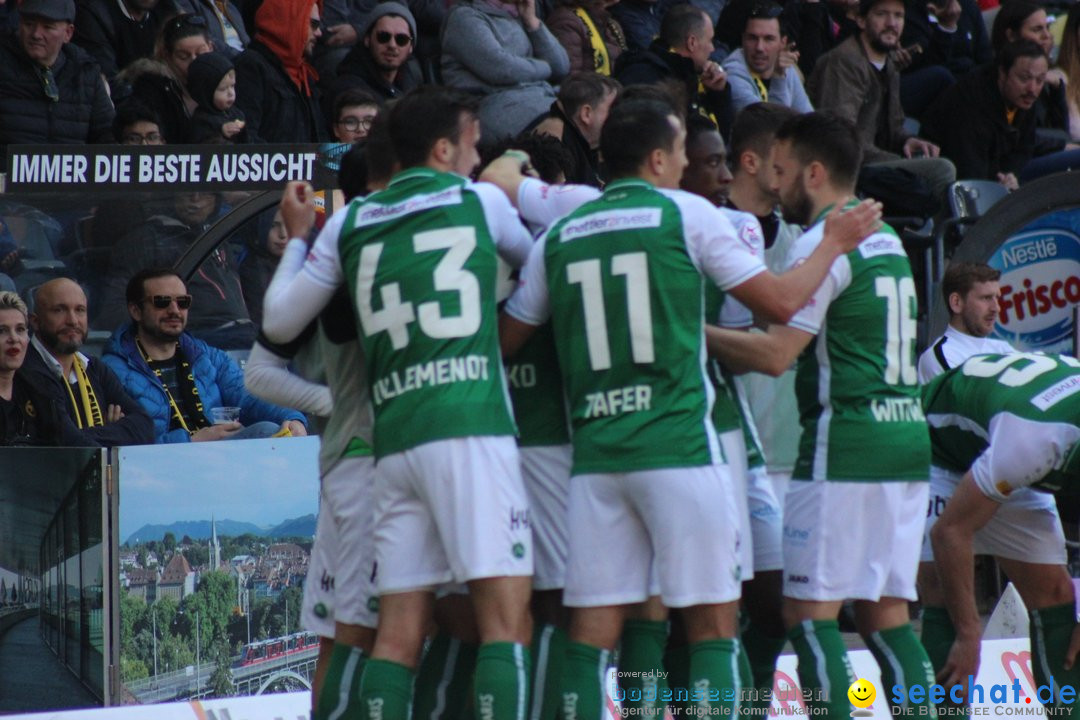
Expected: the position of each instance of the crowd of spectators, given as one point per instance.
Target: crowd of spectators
(90, 70)
(937, 90)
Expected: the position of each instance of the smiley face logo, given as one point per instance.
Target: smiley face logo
(862, 693)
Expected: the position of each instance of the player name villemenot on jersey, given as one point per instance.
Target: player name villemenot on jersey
(430, 374)
(420, 261)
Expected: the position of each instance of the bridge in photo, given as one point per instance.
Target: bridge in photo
(193, 682)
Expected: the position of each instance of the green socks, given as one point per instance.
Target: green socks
(824, 668)
(1051, 629)
(641, 660)
(549, 656)
(584, 675)
(762, 650)
(938, 635)
(385, 691)
(444, 680)
(903, 662)
(714, 676)
(502, 680)
(340, 690)
(677, 664)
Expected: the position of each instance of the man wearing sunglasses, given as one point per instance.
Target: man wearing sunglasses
(177, 378)
(380, 63)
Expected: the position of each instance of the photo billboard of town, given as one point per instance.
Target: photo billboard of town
(212, 565)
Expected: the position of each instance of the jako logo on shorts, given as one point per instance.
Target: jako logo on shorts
(1040, 285)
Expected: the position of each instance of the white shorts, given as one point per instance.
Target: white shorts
(734, 446)
(852, 540)
(766, 521)
(1026, 526)
(339, 587)
(451, 510)
(679, 521)
(1021, 453)
(546, 473)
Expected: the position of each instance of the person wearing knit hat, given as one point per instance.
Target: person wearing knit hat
(275, 82)
(212, 84)
(381, 62)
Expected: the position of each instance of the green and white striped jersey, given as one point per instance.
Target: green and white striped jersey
(856, 381)
(419, 259)
(1013, 420)
(621, 279)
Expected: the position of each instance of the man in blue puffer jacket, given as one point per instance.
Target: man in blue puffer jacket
(179, 379)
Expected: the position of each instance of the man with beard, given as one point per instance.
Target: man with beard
(118, 32)
(179, 379)
(985, 122)
(92, 394)
(1028, 528)
(275, 84)
(756, 71)
(380, 63)
(864, 454)
(858, 81)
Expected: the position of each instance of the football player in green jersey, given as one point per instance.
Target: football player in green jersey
(622, 279)
(1008, 422)
(419, 259)
(864, 450)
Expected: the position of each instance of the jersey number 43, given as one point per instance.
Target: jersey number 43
(450, 275)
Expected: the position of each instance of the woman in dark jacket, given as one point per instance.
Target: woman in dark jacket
(162, 83)
(26, 416)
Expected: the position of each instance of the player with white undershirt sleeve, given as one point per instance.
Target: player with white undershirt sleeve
(449, 501)
(622, 280)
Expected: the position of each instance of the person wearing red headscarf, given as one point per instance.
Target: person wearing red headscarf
(275, 83)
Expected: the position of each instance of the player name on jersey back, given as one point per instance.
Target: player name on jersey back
(429, 374)
(420, 262)
(626, 298)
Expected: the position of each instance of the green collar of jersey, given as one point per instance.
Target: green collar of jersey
(828, 208)
(623, 183)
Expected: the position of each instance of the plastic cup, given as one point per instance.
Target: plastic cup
(222, 415)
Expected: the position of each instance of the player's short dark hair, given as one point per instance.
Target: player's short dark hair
(634, 129)
(755, 128)
(353, 176)
(585, 88)
(423, 117)
(353, 97)
(960, 277)
(136, 287)
(133, 111)
(546, 153)
(1011, 52)
(680, 22)
(827, 139)
(1010, 17)
(696, 126)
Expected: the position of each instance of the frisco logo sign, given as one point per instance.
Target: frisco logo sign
(1040, 286)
